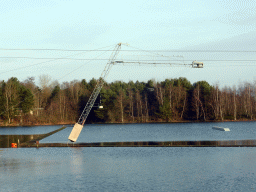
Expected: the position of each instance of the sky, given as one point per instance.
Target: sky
(221, 34)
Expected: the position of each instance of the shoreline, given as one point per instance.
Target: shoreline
(174, 122)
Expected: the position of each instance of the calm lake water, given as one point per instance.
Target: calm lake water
(132, 168)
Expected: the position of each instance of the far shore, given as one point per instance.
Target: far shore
(163, 122)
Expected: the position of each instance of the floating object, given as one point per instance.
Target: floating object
(221, 128)
(14, 145)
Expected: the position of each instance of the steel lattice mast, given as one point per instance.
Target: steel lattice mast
(79, 125)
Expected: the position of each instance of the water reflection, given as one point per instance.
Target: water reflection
(77, 160)
(7, 140)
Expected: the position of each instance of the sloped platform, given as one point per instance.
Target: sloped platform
(6, 141)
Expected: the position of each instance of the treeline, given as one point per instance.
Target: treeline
(171, 100)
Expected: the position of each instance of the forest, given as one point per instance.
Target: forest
(172, 100)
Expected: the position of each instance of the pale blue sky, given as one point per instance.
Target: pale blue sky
(147, 25)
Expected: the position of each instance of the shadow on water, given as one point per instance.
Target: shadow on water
(220, 143)
(7, 141)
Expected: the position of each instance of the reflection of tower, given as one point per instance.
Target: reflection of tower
(76, 161)
(76, 166)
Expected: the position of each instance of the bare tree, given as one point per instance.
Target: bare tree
(234, 103)
(131, 110)
(197, 103)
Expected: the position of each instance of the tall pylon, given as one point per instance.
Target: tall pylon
(80, 123)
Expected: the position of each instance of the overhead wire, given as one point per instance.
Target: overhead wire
(54, 59)
(80, 59)
(136, 49)
(79, 67)
(150, 51)
(39, 91)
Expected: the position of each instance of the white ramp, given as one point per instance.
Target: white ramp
(75, 132)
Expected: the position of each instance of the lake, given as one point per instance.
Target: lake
(132, 168)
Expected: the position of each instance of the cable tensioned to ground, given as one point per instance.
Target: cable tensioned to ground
(53, 59)
(39, 91)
